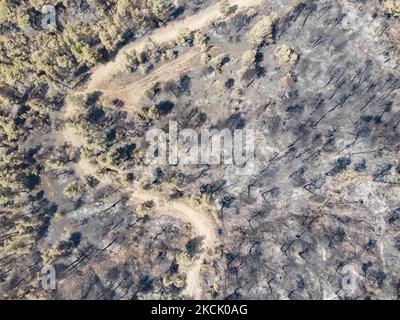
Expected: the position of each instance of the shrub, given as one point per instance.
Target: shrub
(144, 209)
(185, 262)
(144, 69)
(77, 99)
(185, 37)
(249, 58)
(392, 7)
(60, 157)
(262, 31)
(205, 58)
(147, 113)
(224, 7)
(218, 62)
(129, 61)
(284, 55)
(74, 190)
(169, 54)
(200, 40)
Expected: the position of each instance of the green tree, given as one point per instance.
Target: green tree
(249, 58)
(5, 12)
(185, 37)
(262, 31)
(162, 9)
(218, 61)
(74, 190)
(392, 7)
(200, 40)
(224, 7)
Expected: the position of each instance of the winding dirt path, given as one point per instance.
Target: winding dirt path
(204, 225)
(102, 73)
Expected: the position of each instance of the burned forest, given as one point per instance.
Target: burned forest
(219, 150)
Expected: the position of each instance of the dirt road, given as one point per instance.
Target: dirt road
(203, 224)
(129, 90)
(105, 72)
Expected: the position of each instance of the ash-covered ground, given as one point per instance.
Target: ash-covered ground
(318, 217)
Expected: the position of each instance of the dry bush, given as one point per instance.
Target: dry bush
(263, 31)
(74, 190)
(249, 58)
(350, 176)
(392, 7)
(185, 262)
(205, 58)
(219, 61)
(144, 209)
(284, 55)
(224, 7)
(200, 40)
(185, 37)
